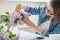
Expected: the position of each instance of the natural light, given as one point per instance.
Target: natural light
(29, 0)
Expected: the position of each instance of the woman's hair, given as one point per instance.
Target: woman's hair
(56, 8)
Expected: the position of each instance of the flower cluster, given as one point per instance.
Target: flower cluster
(7, 35)
(10, 20)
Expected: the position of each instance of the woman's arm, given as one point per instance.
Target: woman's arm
(30, 24)
(29, 9)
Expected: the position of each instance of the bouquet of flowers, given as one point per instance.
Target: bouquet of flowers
(11, 19)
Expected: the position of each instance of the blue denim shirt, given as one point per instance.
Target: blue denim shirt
(41, 11)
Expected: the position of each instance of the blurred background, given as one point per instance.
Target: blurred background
(9, 5)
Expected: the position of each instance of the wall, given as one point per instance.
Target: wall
(10, 5)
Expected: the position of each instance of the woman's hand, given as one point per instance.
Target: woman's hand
(27, 21)
(30, 24)
(19, 7)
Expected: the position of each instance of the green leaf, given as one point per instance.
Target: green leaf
(14, 35)
(1, 27)
(6, 21)
(16, 20)
(7, 13)
(11, 34)
(2, 16)
(23, 18)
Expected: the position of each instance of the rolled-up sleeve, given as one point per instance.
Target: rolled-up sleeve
(33, 10)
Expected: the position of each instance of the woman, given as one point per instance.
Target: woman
(50, 15)
(56, 7)
(55, 4)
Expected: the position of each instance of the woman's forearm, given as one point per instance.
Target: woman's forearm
(30, 24)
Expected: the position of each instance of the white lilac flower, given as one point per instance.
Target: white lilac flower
(2, 33)
(11, 23)
(26, 14)
(20, 22)
(18, 15)
(6, 36)
(15, 15)
(1, 38)
(12, 18)
(2, 19)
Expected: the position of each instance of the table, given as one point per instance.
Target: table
(29, 36)
(24, 35)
